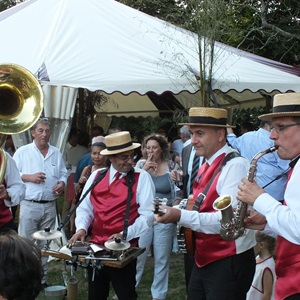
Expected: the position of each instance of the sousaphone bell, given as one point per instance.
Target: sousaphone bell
(21, 103)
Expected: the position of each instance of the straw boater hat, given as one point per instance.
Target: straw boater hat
(208, 116)
(118, 142)
(284, 105)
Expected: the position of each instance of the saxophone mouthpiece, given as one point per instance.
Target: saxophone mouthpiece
(272, 149)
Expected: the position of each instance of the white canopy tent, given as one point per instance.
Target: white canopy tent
(107, 46)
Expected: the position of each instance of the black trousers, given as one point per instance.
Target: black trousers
(227, 279)
(189, 262)
(293, 297)
(122, 280)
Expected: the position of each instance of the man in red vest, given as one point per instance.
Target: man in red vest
(274, 218)
(12, 191)
(223, 269)
(105, 208)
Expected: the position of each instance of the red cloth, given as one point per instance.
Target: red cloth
(70, 192)
(218, 248)
(287, 266)
(5, 213)
(109, 202)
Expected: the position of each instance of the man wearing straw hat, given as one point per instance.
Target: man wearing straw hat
(105, 206)
(223, 269)
(281, 220)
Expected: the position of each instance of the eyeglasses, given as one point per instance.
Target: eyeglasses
(126, 158)
(280, 128)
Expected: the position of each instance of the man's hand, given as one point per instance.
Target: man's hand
(255, 220)
(78, 236)
(249, 191)
(172, 215)
(59, 188)
(38, 177)
(3, 192)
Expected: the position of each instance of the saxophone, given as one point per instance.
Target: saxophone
(232, 222)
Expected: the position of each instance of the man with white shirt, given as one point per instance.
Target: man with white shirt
(269, 215)
(223, 269)
(43, 171)
(105, 207)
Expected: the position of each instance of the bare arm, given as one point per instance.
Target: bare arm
(268, 282)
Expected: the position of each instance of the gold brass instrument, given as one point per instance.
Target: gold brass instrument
(21, 103)
(232, 222)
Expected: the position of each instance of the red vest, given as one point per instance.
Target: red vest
(287, 266)
(109, 202)
(5, 213)
(210, 247)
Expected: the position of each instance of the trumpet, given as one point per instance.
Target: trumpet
(232, 222)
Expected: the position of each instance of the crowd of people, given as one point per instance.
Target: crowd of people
(116, 192)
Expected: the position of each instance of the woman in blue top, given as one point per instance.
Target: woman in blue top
(159, 235)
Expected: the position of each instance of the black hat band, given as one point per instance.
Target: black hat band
(111, 148)
(208, 120)
(286, 108)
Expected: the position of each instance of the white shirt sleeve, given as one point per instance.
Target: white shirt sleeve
(284, 220)
(15, 186)
(145, 196)
(230, 177)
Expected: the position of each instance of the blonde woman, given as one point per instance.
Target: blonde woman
(160, 236)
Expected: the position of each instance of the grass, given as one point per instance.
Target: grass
(176, 279)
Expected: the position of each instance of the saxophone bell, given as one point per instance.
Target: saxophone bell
(224, 204)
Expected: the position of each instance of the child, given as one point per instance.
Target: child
(263, 284)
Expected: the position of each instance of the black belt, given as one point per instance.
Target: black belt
(41, 201)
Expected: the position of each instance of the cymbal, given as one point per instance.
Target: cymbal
(47, 235)
(117, 244)
(56, 254)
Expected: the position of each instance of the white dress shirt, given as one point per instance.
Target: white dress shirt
(30, 160)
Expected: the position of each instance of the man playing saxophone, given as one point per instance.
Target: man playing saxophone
(281, 220)
(222, 269)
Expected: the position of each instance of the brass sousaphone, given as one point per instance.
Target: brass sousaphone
(21, 104)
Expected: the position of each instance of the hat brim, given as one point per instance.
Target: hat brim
(109, 152)
(269, 117)
(208, 125)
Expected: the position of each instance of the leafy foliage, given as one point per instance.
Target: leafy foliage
(4, 4)
(241, 116)
(267, 28)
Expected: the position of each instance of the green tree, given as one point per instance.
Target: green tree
(168, 10)
(268, 28)
(5, 4)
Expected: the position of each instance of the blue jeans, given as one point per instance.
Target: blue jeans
(161, 236)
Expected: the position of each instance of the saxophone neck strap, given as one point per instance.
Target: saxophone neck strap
(201, 197)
